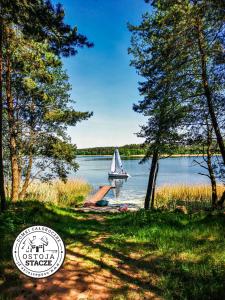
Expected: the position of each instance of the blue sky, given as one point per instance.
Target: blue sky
(101, 78)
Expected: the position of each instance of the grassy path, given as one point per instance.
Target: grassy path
(120, 256)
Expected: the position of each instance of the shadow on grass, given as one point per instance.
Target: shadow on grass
(162, 274)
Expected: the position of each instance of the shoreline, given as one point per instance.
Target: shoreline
(141, 155)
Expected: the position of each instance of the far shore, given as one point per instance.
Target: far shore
(141, 155)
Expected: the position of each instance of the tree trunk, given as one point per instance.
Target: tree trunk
(151, 179)
(210, 166)
(154, 185)
(2, 186)
(221, 201)
(208, 93)
(30, 163)
(12, 127)
(27, 178)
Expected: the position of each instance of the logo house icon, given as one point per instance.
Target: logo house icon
(35, 244)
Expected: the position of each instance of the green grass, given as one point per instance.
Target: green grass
(177, 256)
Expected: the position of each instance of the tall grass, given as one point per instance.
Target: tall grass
(191, 196)
(71, 193)
(74, 192)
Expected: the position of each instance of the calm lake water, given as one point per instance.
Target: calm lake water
(179, 170)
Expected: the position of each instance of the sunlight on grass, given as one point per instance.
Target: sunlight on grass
(174, 255)
(187, 256)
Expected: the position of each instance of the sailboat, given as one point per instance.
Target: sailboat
(117, 170)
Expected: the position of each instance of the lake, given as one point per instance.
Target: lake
(174, 170)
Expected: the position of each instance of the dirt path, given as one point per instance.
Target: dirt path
(90, 272)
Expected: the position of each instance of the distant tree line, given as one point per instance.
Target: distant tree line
(139, 149)
(126, 150)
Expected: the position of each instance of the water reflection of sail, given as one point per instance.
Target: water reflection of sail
(117, 184)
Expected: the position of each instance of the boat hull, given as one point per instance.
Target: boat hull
(118, 175)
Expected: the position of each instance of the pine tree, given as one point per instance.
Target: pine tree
(161, 105)
(40, 115)
(191, 38)
(38, 20)
(193, 48)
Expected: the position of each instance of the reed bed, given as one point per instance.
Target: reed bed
(71, 193)
(191, 196)
(74, 192)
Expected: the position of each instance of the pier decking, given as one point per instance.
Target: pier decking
(99, 195)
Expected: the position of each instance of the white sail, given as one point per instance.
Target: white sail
(113, 165)
(119, 166)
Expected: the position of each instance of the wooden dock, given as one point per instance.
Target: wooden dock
(99, 195)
